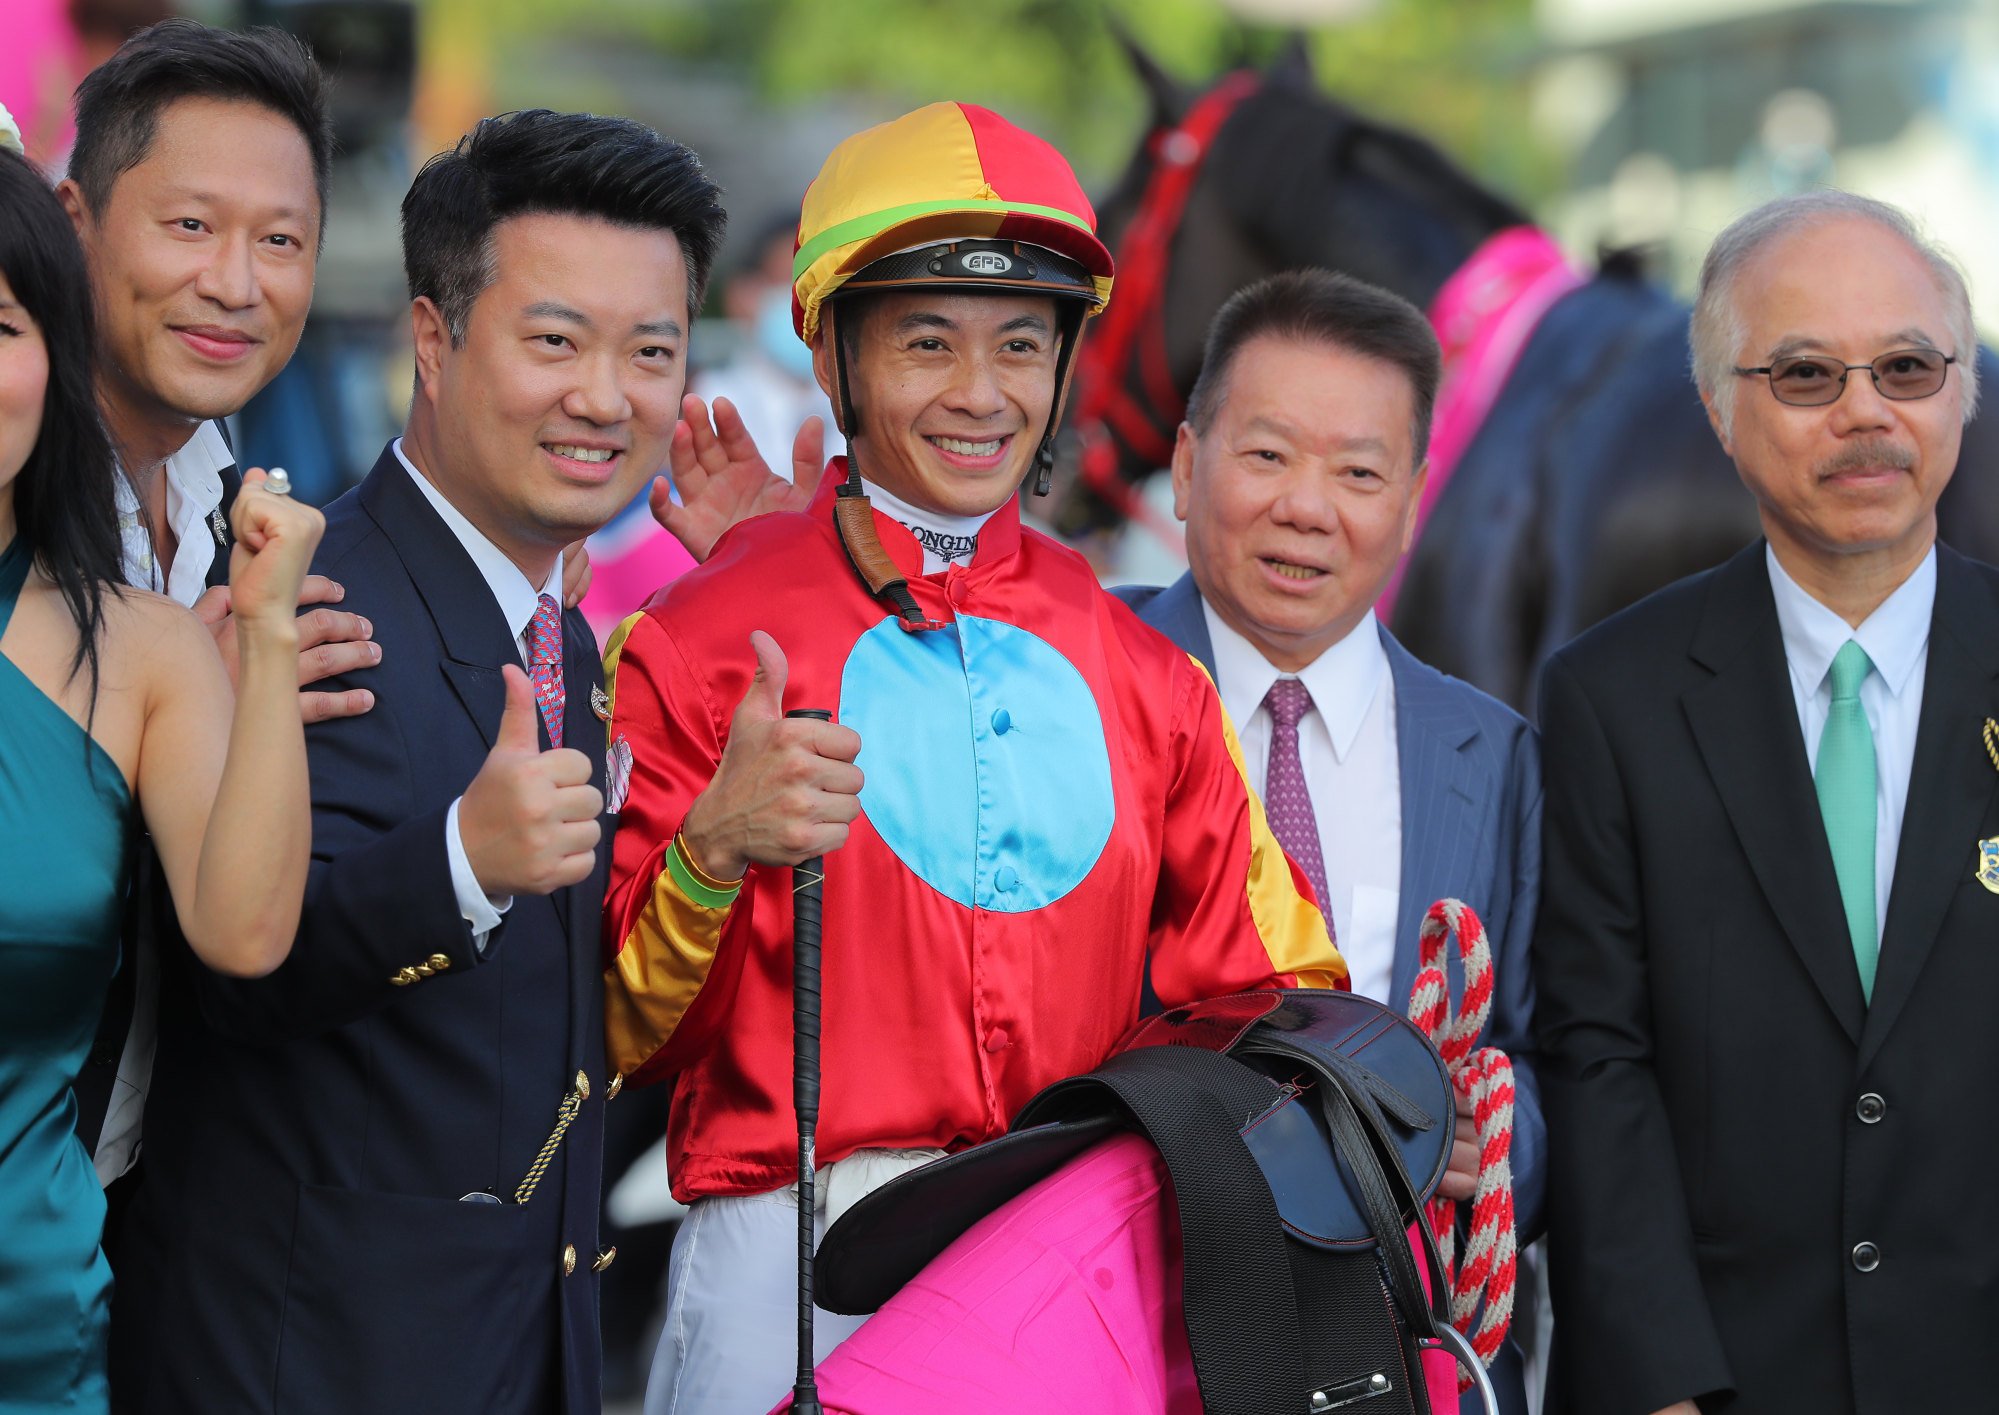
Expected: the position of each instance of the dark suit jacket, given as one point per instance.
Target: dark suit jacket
(1730, 1121)
(300, 1244)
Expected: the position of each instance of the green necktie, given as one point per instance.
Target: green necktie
(1845, 781)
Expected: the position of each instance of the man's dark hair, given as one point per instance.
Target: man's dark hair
(566, 164)
(118, 104)
(1320, 307)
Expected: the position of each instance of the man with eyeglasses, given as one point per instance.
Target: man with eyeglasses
(1768, 945)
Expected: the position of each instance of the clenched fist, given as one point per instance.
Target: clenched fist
(529, 818)
(785, 790)
(275, 537)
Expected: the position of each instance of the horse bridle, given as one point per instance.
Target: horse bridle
(1133, 329)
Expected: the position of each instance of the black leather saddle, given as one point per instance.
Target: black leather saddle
(1303, 1130)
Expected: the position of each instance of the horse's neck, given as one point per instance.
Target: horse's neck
(1405, 244)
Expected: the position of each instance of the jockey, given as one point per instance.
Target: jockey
(1030, 802)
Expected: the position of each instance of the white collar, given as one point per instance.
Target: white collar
(194, 496)
(1342, 680)
(196, 470)
(1895, 636)
(518, 597)
(933, 529)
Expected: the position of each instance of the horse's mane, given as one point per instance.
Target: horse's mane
(1288, 156)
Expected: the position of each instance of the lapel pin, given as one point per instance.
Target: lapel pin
(600, 702)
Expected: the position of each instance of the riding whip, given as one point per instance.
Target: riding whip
(808, 879)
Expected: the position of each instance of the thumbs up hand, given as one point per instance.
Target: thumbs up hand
(529, 818)
(785, 790)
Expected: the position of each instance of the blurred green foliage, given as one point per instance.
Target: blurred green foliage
(1457, 70)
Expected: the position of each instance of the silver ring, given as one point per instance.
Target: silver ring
(277, 483)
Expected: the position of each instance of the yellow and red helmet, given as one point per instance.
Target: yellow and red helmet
(953, 176)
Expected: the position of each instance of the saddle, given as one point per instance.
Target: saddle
(1303, 1131)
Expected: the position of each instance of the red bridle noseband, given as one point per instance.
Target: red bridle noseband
(1104, 405)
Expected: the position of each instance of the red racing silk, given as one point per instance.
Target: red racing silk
(1053, 799)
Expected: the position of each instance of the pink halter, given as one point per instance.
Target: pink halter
(1484, 316)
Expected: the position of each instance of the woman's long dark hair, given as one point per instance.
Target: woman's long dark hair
(65, 505)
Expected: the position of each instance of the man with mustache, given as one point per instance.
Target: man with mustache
(1766, 951)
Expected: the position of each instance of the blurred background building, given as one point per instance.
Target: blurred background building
(1668, 120)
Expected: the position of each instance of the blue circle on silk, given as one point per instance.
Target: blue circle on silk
(986, 768)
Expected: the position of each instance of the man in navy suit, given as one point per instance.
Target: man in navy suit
(374, 1175)
(1299, 471)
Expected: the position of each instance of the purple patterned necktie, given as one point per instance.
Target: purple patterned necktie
(545, 665)
(1285, 798)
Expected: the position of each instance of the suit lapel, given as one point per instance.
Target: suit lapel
(1745, 723)
(1442, 784)
(1176, 612)
(477, 640)
(1952, 787)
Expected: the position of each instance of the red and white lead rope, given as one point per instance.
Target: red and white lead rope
(1482, 1288)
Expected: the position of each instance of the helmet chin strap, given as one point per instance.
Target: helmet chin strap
(853, 516)
(1072, 318)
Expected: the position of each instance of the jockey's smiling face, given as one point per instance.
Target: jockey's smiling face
(952, 392)
(1301, 494)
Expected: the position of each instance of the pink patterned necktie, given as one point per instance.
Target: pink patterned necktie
(545, 664)
(1286, 800)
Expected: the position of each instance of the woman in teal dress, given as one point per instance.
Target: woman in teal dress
(114, 714)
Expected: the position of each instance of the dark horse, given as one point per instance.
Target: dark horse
(1594, 480)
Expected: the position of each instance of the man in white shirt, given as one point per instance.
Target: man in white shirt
(1770, 935)
(375, 1178)
(197, 189)
(1298, 472)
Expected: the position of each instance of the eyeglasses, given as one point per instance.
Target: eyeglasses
(1812, 381)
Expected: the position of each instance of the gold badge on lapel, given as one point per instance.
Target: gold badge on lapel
(1988, 850)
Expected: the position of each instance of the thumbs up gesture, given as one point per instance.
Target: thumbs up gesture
(529, 818)
(785, 790)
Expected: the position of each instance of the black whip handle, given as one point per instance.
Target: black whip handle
(808, 880)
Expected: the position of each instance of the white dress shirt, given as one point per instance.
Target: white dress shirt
(518, 600)
(1896, 636)
(194, 495)
(1347, 747)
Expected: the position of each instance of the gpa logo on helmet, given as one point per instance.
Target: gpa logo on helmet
(987, 263)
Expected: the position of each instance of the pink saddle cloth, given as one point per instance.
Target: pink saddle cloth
(1067, 1298)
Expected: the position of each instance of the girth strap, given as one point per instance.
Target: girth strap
(1193, 1105)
